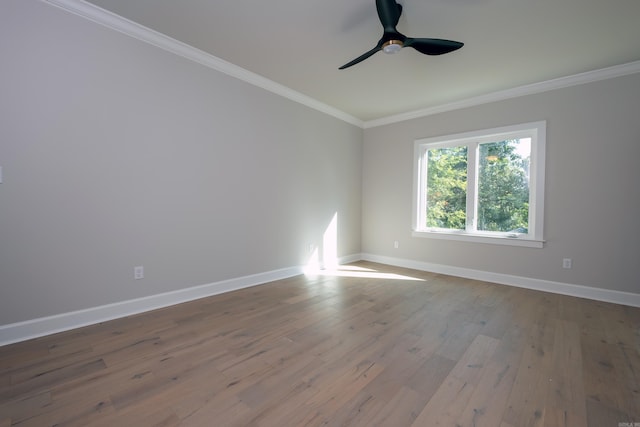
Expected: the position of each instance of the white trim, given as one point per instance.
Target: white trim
(115, 22)
(22, 331)
(479, 238)
(530, 89)
(580, 291)
(34, 328)
(349, 259)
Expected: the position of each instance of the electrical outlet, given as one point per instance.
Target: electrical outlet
(138, 272)
(396, 244)
(566, 263)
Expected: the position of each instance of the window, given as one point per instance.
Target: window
(485, 186)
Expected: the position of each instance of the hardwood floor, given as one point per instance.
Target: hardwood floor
(390, 347)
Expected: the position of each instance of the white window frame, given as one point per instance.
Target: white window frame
(534, 238)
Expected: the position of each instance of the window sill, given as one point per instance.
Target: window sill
(479, 238)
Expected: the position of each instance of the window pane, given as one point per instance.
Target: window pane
(503, 186)
(447, 187)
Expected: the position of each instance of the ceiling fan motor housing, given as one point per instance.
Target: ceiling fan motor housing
(392, 46)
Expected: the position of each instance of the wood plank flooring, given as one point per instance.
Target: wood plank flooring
(372, 346)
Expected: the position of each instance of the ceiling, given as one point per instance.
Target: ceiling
(301, 44)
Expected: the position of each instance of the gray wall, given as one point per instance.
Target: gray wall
(117, 154)
(592, 187)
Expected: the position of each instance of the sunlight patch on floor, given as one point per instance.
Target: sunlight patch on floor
(354, 271)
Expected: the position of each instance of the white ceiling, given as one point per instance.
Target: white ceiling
(301, 44)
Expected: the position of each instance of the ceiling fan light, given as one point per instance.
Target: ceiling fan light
(392, 46)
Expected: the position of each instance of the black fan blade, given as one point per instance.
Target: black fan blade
(362, 57)
(433, 46)
(389, 13)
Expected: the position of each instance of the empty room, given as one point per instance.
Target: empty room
(342, 213)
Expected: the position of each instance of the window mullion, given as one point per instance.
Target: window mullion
(472, 187)
(422, 177)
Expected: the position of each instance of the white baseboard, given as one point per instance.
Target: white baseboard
(598, 294)
(35, 328)
(22, 331)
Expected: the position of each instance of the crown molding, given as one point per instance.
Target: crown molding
(115, 22)
(531, 89)
(118, 23)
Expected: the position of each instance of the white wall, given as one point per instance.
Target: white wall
(592, 187)
(116, 153)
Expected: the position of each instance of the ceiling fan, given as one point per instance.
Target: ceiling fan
(392, 41)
